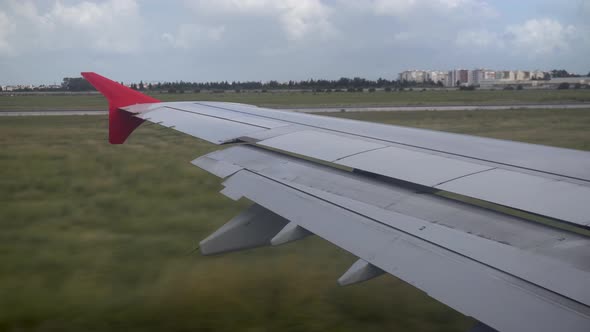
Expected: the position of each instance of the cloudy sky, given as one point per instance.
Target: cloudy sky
(43, 41)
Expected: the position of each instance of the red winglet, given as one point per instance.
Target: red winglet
(121, 124)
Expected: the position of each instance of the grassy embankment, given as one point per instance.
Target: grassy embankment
(309, 99)
(97, 237)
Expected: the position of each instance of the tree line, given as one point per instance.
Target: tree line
(564, 73)
(75, 84)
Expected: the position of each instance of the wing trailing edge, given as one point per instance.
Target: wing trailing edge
(476, 274)
(121, 123)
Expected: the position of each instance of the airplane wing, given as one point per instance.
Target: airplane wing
(415, 203)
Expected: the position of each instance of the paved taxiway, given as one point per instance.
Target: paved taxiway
(338, 109)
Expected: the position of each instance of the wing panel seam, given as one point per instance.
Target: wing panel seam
(216, 117)
(361, 152)
(463, 176)
(404, 144)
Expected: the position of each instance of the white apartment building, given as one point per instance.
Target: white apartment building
(477, 76)
(438, 76)
(538, 74)
(458, 77)
(522, 75)
(419, 76)
(506, 75)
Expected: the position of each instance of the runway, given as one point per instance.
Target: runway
(436, 108)
(53, 112)
(58, 112)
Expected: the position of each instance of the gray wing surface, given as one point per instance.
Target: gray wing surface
(373, 190)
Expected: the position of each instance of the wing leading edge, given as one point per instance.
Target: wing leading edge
(507, 272)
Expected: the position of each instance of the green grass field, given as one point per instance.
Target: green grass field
(98, 237)
(309, 99)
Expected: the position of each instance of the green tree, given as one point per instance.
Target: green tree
(141, 87)
(562, 73)
(76, 84)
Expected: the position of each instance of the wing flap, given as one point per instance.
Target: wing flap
(332, 147)
(552, 198)
(412, 166)
(531, 193)
(572, 164)
(460, 282)
(569, 278)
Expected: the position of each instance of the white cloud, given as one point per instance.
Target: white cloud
(409, 8)
(298, 18)
(541, 36)
(192, 35)
(479, 39)
(113, 26)
(394, 8)
(418, 24)
(531, 38)
(286, 39)
(7, 28)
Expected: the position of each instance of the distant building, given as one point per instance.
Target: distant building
(522, 75)
(422, 76)
(418, 76)
(458, 77)
(475, 76)
(539, 75)
(488, 78)
(438, 76)
(481, 76)
(506, 75)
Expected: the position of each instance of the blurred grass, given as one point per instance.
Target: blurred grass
(309, 99)
(568, 128)
(97, 237)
